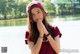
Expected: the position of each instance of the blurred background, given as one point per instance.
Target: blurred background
(13, 24)
(13, 12)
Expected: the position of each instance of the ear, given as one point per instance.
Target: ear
(44, 13)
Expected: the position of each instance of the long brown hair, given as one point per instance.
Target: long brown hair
(33, 31)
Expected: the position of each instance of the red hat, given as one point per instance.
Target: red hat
(37, 3)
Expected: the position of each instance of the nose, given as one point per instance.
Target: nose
(36, 16)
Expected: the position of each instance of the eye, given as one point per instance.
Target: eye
(38, 11)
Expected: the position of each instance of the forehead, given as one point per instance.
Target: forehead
(35, 9)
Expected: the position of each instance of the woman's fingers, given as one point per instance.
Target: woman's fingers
(40, 27)
(40, 24)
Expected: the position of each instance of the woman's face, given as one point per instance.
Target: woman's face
(37, 14)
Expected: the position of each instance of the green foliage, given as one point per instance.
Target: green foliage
(49, 7)
(12, 9)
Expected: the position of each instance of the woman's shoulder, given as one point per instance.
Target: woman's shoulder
(56, 31)
(26, 34)
(27, 37)
(53, 27)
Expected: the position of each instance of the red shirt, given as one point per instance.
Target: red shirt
(46, 47)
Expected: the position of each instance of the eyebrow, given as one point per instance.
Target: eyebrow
(37, 11)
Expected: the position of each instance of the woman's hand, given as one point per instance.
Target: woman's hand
(42, 29)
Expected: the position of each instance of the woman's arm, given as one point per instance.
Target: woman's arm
(35, 48)
(55, 43)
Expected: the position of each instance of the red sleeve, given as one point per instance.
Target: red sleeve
(57, 31)
(26, 37)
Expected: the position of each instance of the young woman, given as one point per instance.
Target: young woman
(41, 37)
